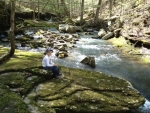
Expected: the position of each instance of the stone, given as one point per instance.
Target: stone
(101, 33)
(108, 36)
(41, 31)
(117, 32)
(89, 61)
(62, 28)
(61, 55)
(68, 28)
(61, 48)
(61, 41)
(92, 62)
(68, 39)
(71, 29)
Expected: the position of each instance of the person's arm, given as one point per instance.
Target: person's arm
(49, 63)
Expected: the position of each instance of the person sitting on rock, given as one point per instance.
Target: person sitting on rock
(48, 64)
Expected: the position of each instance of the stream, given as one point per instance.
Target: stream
(110, 61)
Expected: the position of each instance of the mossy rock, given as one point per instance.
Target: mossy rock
(34, 23)
(11, 102)
(23, 39)
(83, 91)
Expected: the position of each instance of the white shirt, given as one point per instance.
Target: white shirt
(47, 61)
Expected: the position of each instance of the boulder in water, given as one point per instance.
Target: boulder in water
(101, 33)
(70, 29)
(62, 28)
(89, 61)
(108, 36)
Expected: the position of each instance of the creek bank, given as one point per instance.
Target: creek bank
(129, 49)
(136, 29)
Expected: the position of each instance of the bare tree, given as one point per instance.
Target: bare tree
(12, 37)
(110, 7)
(82, 10)
(67, 12)
(97, 12)
(38, 9)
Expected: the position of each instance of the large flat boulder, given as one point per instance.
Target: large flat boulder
(87, 92)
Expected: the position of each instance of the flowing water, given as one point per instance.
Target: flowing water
(109, 61)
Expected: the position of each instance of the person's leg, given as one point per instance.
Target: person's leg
(55, 71)
(49, 69)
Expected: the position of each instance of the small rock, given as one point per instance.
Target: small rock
(62, 48)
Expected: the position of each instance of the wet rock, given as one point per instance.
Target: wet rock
(41, 31)
(102, 33)
(61, 48)
(62, 54)
(108, 36)
(89, 61)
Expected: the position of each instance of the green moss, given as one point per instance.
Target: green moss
(146, 59)
(23, 39)
(120, 42)
(3, 50)
(11, 102)
(34, 23)
(23, 59)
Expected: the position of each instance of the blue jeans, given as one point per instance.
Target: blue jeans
(54, 69)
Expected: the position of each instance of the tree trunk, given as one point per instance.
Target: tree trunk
(82, 10)
(67, 12)
(6, 56)
(58, 4)
(97, 12)
(38, 9)
(12, 37)
(110, 7)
